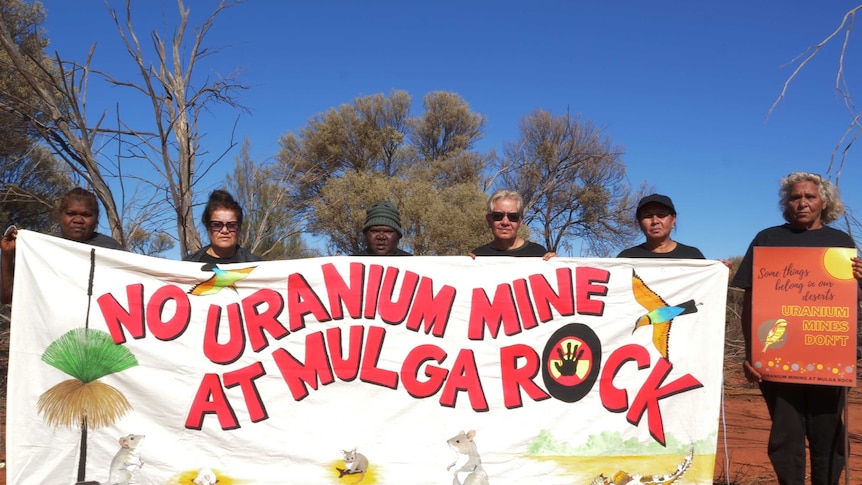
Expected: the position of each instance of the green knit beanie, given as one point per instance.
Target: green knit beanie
(383, 213)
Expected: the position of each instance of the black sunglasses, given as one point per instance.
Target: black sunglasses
(513, 216)
(216, 226)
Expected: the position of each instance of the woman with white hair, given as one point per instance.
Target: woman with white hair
(800, 412)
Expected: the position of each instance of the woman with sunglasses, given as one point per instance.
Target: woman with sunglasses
(222, 218)
(656, 217)
(504, 218)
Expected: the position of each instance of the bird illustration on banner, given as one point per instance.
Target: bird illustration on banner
(659, 314)
(775, 333)
(221, 278)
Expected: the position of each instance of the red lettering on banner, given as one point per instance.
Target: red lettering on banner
(649, 394)
(545, 296)
(464, 376)
(230, 351)
(415, 300)
(614, 399)
(302, 301)
(395, 311)
(244, 378)
(202, 405)
(340, 292)
(503, 311)
(256, 322)
(139, 316)
(433, 310)
(375, 276)
(347, 368)
(484, 312)
(116, 316)
(515, 378)
(410, 371)
(175, 325)
(585, 280)
(524, 304)
(369, 371)
(298, 374)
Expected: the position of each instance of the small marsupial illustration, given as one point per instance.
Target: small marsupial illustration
(125, 463)
(468, 460)
(354, 462)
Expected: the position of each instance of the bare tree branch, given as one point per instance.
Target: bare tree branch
(854, 128)
(60, 118)
(176, 107)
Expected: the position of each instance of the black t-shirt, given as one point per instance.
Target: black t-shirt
(241, 255)
(681, 251)
(103, 241)
(366, 252)
(529, 249)
(786, 236)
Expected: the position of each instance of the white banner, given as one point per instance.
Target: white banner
(411, 370)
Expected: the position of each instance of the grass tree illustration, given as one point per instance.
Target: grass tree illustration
(87, 355)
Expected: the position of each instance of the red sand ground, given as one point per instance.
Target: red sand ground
(747, 424)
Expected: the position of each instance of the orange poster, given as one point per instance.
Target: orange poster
(804, 315)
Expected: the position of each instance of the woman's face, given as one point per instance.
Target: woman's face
(656, 221)
(805, 206)
(224, 229)
(504, 229)
(78, 220)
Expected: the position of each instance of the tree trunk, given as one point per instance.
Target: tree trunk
(82, 459)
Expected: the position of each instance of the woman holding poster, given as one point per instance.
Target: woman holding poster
(800, 411)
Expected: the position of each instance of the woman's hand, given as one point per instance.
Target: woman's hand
(750, 373)
(7, 242)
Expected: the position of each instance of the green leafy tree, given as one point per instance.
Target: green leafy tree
(24, 22)
(366, 135)
(30, 178)
(447, 221)
(443, 139)
(446, 127)
(572, 179)
(30, 183)
(371, 149)
(271, 224)
(46, 97)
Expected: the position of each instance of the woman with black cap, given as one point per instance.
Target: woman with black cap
(656, 217)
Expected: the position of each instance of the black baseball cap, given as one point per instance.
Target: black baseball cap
(658, 198)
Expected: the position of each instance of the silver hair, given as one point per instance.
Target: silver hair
(506, 194)
(833, 207)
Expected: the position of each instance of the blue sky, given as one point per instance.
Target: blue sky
(683, 86)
